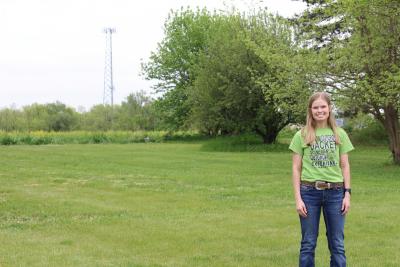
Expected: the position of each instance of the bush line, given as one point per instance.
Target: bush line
(86, 137)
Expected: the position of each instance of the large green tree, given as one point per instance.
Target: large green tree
(237, 86)
(224, 99)
(284, 83)
(357, 49)
(173, 63)
(216, 73)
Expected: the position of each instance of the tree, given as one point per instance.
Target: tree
(136, 113)
(49, 117)
(174, 61)
(235, 86)
(223, 96)
(99, 118)
(359, 57)
(60, 117)
(215, 74)
(11, 119)
(284, 83)
(36, 117)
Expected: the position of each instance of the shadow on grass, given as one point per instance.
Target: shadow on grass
(242, 143)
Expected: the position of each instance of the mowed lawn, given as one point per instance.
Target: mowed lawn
(176, 205)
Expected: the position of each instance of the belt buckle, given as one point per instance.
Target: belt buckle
(322, 185)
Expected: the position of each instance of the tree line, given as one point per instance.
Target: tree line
(136, 112)
(227, 73)
(231, 72)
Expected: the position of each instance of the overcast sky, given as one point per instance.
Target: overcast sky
(55, 49)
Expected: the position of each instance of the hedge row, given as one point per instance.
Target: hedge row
(86, 137)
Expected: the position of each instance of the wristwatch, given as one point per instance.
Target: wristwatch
(347, 190)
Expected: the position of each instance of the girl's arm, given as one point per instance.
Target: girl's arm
(345, 166)
(296, 173)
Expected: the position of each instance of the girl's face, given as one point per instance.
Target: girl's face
(320, 110)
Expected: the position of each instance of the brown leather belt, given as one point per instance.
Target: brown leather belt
(322, 185)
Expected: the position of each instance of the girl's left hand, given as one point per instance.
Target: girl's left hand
(346, 204)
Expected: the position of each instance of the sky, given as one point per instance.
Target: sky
(54, 50)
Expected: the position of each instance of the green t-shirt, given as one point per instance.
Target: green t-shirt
(321, 161)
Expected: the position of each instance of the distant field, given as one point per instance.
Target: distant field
(178, 205)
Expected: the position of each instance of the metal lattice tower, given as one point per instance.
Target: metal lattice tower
(108, 96)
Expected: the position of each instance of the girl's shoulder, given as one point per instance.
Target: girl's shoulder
(299, 133)
(299, 136)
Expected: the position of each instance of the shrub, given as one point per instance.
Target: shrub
(242, 143)
(8, 140)
(364, 129)
(87, 137)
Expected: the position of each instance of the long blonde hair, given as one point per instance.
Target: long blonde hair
(308, 132)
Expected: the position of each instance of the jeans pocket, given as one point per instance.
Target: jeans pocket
(337, 194)
(306, 188)
(339, 190)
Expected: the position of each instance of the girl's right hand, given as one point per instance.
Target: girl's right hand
(301, 208)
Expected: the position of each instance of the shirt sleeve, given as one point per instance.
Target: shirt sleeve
(346, 146)
(296, 144)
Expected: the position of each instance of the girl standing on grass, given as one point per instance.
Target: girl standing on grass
(321, 180)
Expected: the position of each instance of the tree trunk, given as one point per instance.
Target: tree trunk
(391, 124)
(270, 132)
(270, 137)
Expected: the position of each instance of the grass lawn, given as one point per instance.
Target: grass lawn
(177, 205)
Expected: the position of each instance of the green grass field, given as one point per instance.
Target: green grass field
(179, 205)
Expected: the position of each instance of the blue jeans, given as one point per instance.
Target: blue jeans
(331, 203)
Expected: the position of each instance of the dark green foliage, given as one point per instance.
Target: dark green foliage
(323, 25)
(364, 129)
(357, 57)
(227, 73)
(242, 143)
(374, 134)
(98, 138)
(8, 140)
(225, 98)
(174, 62)
(60, 117)
(172, 110)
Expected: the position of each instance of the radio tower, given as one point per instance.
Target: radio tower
(108, 96)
